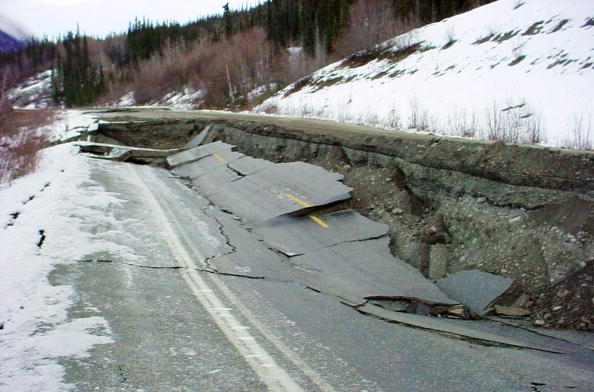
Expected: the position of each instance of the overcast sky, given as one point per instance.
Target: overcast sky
(101, 17)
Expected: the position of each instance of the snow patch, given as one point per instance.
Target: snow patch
(126, 100)
(529, 67)
(187, 99)
(34, 93)
(261, 90)
(63, 204)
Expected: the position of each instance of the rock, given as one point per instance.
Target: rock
(523, 301)
(481, 200)
(539, 323)
(457, 311)
(438, 261)
(515, 219)
(511, 311)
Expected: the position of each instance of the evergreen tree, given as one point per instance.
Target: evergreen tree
(228, 20)
(76, 81)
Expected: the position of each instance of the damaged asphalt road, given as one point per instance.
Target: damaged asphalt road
(311, 317)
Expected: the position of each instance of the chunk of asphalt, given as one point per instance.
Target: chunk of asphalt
(198, 139)
(248, 165)
(281, 189)
(207, 164)
(299, 235)
(361, 270)
(197, 153)
(477, 290)
(459, 328)
(121, 153)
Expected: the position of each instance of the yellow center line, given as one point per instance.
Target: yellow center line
(319, 221)
(297, 200)
(305, 204)
(219, 157)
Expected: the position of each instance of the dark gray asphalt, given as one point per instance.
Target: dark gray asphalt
(235, 313)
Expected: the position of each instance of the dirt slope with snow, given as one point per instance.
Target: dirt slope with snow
(514, 70)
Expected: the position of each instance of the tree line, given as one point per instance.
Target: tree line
(87, 69)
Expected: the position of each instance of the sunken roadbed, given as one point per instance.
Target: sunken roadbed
(258, 275)
(521, 212)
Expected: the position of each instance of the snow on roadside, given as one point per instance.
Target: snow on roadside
(71, 124)
(47, 219)
(261, 90)
(126, 100)
(184, 99)
(526, 62)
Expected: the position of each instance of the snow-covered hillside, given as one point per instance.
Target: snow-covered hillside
(184, 99)
(517, 70)
(33, 93)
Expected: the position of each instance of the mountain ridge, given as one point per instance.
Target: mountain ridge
(9, 44)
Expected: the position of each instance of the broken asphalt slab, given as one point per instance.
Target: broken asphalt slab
(477, 290)
(122, 153)
(248, 165)
(363, 270)
(300, 235)
(207, 164)
(461, 329)
(282, 189)
(198, 139)
(246, 255)
(197, 153)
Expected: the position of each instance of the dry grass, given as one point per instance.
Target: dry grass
(20, 141)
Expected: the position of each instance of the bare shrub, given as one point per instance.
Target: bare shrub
(371, 118)
(225, 70)
(581, 134)
(495, 123)
(394, 120)
(236, 66)
(418, 116)
(516, 123)
(20, 141)
(534, 129)
(291, 66)
(372, 22)
(462, 123)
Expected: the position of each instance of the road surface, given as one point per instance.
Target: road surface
(237, 284)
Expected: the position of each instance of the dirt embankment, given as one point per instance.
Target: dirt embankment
(452, 204)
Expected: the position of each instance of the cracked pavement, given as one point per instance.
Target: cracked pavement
(186, 318)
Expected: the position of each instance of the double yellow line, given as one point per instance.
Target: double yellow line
(305, 204)
(297, 200)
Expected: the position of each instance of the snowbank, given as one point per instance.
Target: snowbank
(40, 227)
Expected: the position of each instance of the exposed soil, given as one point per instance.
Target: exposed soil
(570, 303)
(514, 211)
